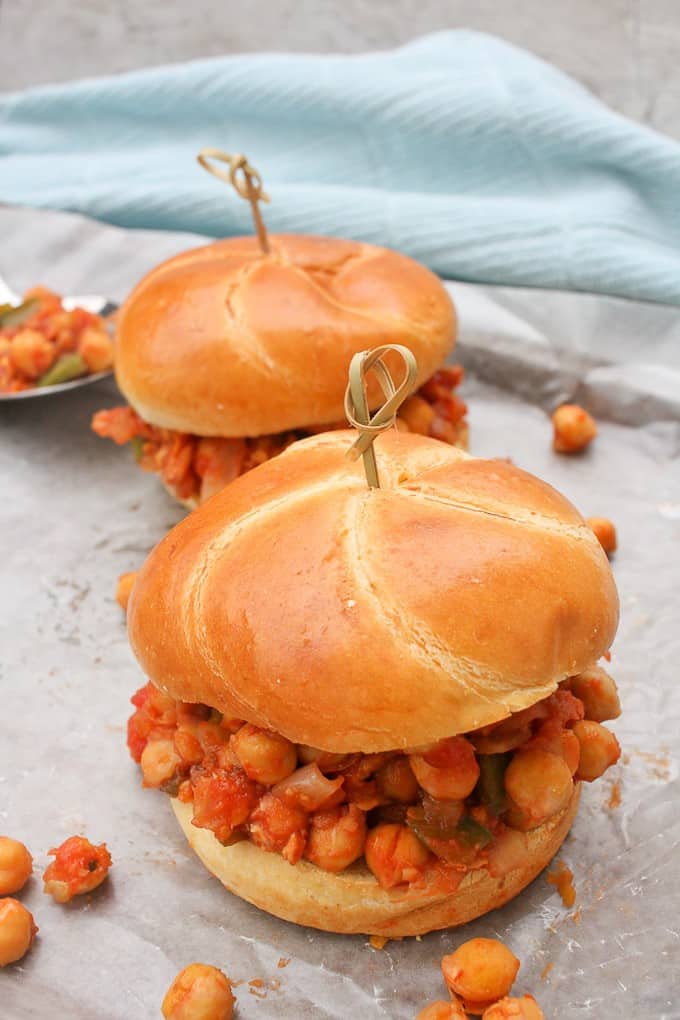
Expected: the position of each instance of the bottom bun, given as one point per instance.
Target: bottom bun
(352, 902)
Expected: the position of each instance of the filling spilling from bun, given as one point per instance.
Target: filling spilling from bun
(425, 816)
(195, 467)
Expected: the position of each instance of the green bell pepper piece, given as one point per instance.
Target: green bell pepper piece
(491, 786)
(14, 315)
(69, 366)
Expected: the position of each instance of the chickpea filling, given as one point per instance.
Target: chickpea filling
(196, 467)
(416, 817)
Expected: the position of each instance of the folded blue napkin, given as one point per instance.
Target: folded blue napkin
(459, 149)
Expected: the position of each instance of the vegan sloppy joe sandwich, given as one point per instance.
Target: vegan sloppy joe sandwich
(226, 354)
(374, 708)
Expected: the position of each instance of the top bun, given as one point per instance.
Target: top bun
(357, 619)
(225, 341)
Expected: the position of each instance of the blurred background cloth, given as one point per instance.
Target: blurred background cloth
(461, 150)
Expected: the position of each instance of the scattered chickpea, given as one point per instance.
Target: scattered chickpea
(78, 867)
(16, 865)
(199, 992)
(124, 589)
(539, 783)
(604, 531)
(525, 1008)
(17, 931)
(599, 749)
(266, 757)
(159, 762)
(394, 854)
(480, 972)
(336, 838)
(597, 690)
(442, 1011)
(573, 428)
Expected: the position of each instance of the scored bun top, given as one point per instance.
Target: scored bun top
(225, 341)
(357, 619)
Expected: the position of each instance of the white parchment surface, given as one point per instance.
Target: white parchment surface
(76, 513)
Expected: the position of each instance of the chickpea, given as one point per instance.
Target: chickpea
(336, 838)
(78, 867)
(397, 782)
(188, 747)
(573, 428)
(525, 1008)
(32, 353)
(599, 749)
(604, 531)
(480, 972)
(16, 865)
(266, 757)
(96, 349)
(199, 992)
(507, 852)
(448, 771)
(395, 854)
(159, 762)
(124, 589)
(597, 690)
(417, 414)
(442, 1011)
(17, 931)
(539, 784)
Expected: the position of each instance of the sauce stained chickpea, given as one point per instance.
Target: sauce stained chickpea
(395, 854)
(266, 757)
(199, 992)
(396, 781)
(159, 762)
(598, 692)
(124, 589)
(17, 931)
(16, 865)
(539, 784)
(599, 750)
(525, 1008)
(78, 867)
(441, 1010)
(480, 972)
(573, 429)
(604, 531)
(447, 771)
(336, 838)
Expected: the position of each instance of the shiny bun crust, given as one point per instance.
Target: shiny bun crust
(353, 902)
(357, 619)
(225, 341)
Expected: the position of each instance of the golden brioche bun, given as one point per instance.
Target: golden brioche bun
(225, 341)
(357, 619)
(352, 902)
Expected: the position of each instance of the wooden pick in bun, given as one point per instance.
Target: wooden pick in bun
(227, 354)
(363, 697)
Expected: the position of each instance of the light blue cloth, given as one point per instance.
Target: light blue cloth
(461, 150)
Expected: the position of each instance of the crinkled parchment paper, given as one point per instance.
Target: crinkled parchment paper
(76, 513)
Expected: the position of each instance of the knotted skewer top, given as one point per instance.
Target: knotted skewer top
(245, 180)
(356, 401)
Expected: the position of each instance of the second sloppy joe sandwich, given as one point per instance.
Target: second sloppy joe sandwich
(227, 354)
(374, 708)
